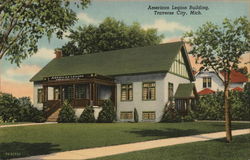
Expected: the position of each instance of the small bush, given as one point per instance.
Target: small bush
(136, 116)
(66, 114)
(107, 114)
(171, 115)
(87, 115)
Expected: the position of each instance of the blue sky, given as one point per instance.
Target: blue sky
(129, 11)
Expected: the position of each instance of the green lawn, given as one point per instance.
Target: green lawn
(239, 149)
(45, 139)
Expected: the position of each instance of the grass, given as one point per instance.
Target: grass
(239, 149)
(12, 123)
(45, 139)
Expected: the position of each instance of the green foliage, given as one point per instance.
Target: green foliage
(171, 115)
(220, 47)
(24, 22)
(109, 35)
(66, 114)
(13, 109)
(87, 115)
(136, 116)
(210, 106)
(107, 114)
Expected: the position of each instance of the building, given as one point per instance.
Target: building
(208, 82)
(145, 78)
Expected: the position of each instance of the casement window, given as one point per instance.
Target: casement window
(126, 115)
(40, 95)
(81, 91)
(207, 82)
(170, 90)
(126, 92)
(148, 115)
(57, 93)
(148, 91)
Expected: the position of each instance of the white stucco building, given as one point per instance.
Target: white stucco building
(144, 78)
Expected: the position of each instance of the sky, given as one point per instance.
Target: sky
(172, 25)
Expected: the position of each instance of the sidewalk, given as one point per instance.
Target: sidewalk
(26, 124)
(124, 148)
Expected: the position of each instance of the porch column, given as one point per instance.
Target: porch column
(61, 95)
(90, 94)
(94, 93)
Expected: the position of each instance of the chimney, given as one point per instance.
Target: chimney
(58, 53)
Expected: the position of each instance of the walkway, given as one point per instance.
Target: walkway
(124, 148)
(26, 124)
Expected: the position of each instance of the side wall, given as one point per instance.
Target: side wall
(157, 106)
(217, 84)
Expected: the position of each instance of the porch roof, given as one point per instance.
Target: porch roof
(186, 90)
(157, 58)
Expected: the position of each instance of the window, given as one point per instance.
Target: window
(170, 90)
(68, 92)
(56, 93)
(81, 91)
(126, 115)
(207, 82)
(39, 95)
(148, 91)
(148, 115)
(126, 92)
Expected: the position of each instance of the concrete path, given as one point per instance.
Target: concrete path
(26, 124)
(124, 148)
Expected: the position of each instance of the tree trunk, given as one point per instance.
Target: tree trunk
(227, 113)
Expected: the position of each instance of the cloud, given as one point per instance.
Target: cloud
(23, 70)
(16, 88)
(44, 53)
(171, 39)
(84, 17)
(166, 26)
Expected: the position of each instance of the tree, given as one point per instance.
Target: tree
(24, 22)
(66, 114)
(219, 48)
(109, 35)
(107, 114)
(136, 116)
(87, 115)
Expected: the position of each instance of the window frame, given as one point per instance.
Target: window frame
(148, 91)
(127, 92)
(126, 112)
(207, 82)
(148, 112)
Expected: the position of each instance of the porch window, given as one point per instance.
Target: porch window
(207, 82)
(81, 91)
(148, 115)
(68, 92)
(170, 90)
(56, 93)
(126, 115)
(40, 95)
(148, 91)
(126, 92)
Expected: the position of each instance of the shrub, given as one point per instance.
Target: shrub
(107, 114)
(66, 114)
(136, 117)
(171, 115)
(87, 115)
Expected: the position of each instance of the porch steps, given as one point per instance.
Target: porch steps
(53, 117)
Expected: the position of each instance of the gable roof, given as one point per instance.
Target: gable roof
(185, 90)
(157, 58)
(206, 91)
(238, 89)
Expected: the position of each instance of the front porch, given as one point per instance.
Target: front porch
(79, 90)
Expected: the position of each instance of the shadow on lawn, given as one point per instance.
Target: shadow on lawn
(20, 149)
(234, 125)
(168, 133)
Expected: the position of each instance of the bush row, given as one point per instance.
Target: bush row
(14, 109)
(106, 115)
